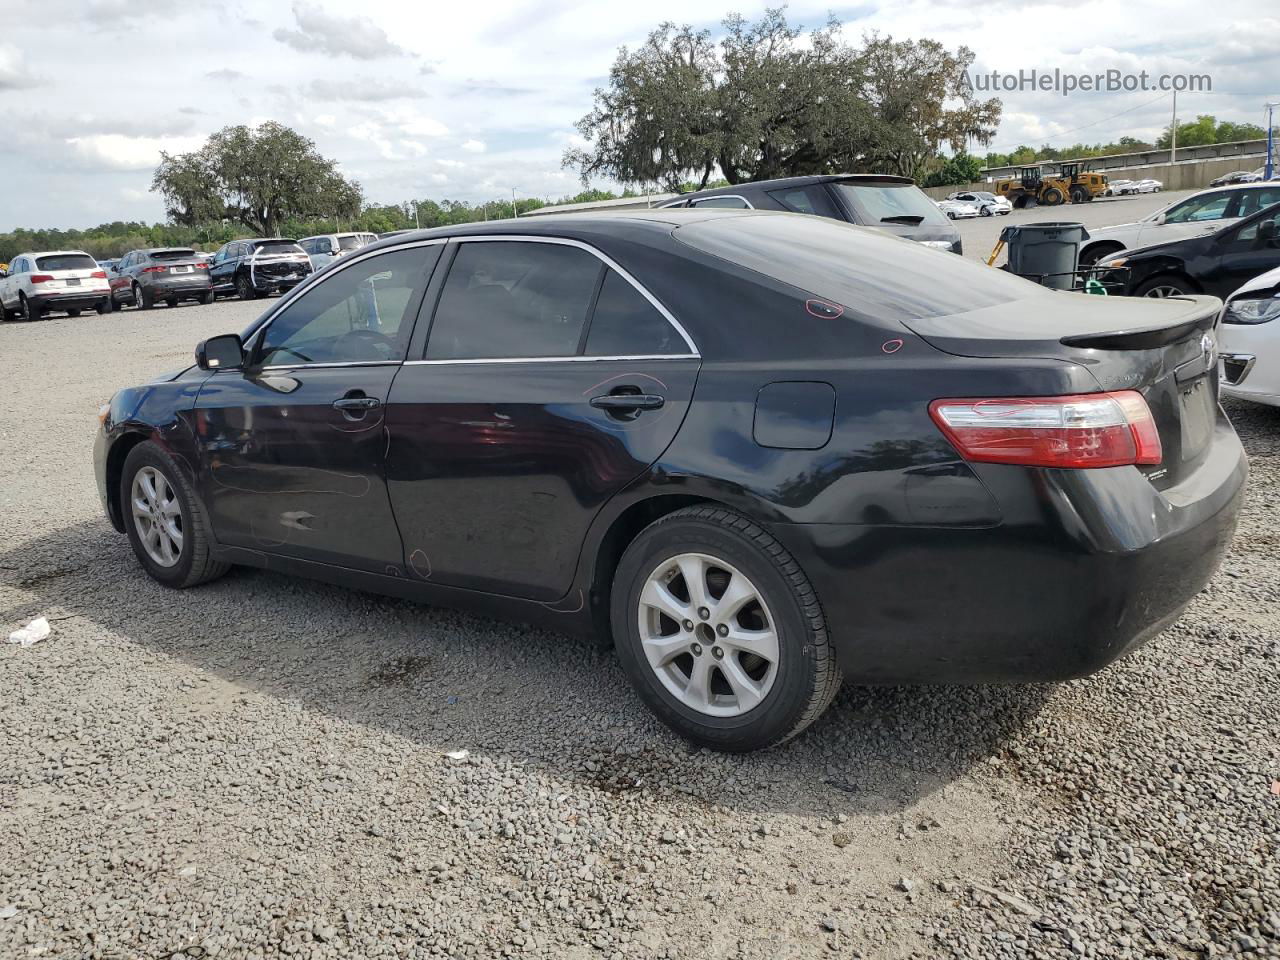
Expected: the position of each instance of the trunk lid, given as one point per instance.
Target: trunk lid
(1163, 348)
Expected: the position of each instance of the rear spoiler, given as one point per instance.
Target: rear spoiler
(1151, 337)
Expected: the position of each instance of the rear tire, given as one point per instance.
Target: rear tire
(1079, 194)
(105, 306)
(244, 289)
(171, 302)
(27, 311)
(1091, 255)
(172, 507)
(779, 675)
(1052, 197)
(142, 299)
(206, 298)
(73, 313)
(1166, 285)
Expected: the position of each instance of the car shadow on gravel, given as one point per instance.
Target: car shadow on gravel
(447, 680)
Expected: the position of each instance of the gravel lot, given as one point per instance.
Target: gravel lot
(261, 766)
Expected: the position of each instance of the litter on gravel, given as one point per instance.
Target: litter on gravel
(32, 633)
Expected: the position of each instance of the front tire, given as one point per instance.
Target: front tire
(720, 631)
(1166, 285)
(166, 524)
(27, 311)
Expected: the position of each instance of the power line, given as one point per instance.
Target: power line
(1067, 133)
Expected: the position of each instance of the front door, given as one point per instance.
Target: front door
(293, 446)
(1246, 252)
(549, 381)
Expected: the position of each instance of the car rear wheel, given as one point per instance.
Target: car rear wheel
(171, 302)
(244, 289)
(167, 527)
(105, 305)
(75, 312)
(720, 631)
(1091, 255)
(206, 298)
(1165, 286)
(142, 299)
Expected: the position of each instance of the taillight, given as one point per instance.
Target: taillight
(41, 278)
(202, 266)
(1083, 430)
(99, 275)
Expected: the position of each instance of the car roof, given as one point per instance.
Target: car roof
(783, 182)
(52, 253)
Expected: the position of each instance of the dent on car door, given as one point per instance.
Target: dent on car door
(550, 380)
(292, 447)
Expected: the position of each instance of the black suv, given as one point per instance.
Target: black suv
(892, 204)
(254, 268)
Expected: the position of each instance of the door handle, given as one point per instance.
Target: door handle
(353, 408)
(625, 402)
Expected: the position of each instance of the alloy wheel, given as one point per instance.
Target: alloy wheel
(157, 516)
(708, 635)
(1164, 290)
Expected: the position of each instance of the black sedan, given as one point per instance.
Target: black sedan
(759, 452)
(1217, 263)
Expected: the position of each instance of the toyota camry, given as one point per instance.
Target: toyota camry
(757, 452)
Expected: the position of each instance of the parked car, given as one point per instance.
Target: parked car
(1236, 176)
(1119, 188)
(1148, 186)
(328, 247)
(160, 275)
(67, 280)
(1203, 212)
(955, 210)
(1216, 263)
(108, 265)
(259, 267)
(724, 439)
(1249, 341)
(892, 204)
(988, 204)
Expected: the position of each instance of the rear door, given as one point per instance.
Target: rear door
(549, 380)
(1249, 251)
(293, 446)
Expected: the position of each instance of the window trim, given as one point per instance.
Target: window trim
(693, 204)
(609, 262)
(344, 263)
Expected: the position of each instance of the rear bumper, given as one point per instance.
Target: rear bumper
(1085, 567)
(180, 286)
(69, 300)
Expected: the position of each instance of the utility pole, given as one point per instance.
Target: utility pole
(1271, 153)
(1173, 152)
(514, 211)
(416, 224)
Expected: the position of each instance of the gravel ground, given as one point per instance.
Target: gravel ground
(267, 766)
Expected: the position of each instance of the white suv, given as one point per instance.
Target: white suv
(35, 283)
(330, 246)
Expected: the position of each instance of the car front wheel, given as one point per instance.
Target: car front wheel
(1165, 286)
(167, 527)
(720, 631)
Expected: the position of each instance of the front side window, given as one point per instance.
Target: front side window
(626, 324)
(1211, 206)
(510, 299)
(360, 314)
(1249, 234)
(1251, 201)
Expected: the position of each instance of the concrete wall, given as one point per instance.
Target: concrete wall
(1235, 150)
(1183, 175)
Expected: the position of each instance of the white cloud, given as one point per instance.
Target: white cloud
(439, 178)
(474, 146)
(324, 120)
(14, 74)
(322, 32)
(119, 152)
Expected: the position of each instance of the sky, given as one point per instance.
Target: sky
(469, 101)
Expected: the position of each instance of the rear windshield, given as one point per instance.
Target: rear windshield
(172, 254)
(350, 243)
(278, 246)
(873, 275)
(67, 261)
(903, 203)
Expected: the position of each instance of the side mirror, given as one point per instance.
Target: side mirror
(224, 352)
(1159, 219)
(1267, 230)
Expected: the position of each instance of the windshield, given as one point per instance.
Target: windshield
(67, 261)
(277, 246)
(869, 273)
(350, 243)
(172, 254)
(890, 203)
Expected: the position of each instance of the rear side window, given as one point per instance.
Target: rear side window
(811, 200)
(625, 324)
(735, 203)
(513, 299)
(67, 261)
(1254, 200)
(869, 273)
